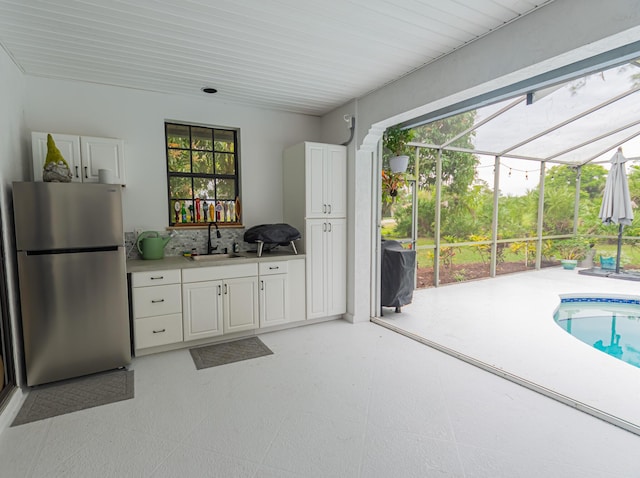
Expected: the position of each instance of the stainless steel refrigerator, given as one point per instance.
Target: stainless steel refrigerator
(72, 274)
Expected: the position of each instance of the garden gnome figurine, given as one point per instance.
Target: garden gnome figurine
(56, 169)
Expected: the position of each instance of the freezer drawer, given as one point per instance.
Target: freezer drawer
(74, 313)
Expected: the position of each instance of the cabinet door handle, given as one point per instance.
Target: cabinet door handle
(329, 208)
(77, 176)
(86, 172)
(219, 290)
(329, 227)
(324, 227)
(157, 278)
(225, 289)
(159, 331)
(261, 285)
(324, 209)
(274, 268)
(156, 301)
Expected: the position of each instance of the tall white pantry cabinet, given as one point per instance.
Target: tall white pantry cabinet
(315, 203)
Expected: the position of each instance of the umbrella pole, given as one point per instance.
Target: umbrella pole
(619, 249)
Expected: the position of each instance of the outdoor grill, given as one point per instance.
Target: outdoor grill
(271, 236)
(397, 275)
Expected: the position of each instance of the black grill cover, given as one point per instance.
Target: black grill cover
(397, 275)
(281, 234)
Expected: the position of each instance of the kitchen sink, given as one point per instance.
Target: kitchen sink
(216, 257)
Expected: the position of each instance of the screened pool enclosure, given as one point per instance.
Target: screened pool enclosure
(517, 185)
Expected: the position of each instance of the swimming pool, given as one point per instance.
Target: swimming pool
(609, 323)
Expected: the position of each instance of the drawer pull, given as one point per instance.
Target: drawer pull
(157, 278)
(155, 301)
(271, 268)
(159, 331)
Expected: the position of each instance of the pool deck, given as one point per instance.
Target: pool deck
(507, 323)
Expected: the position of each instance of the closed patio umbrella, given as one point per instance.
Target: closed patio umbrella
(616, 203)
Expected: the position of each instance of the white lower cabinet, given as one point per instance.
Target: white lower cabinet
(282, 292)
(274, 293)
(326, 267)
(156, 331)
(219, 300)
(240, 304)
(202, 309)
(157, 308)
(184, 305)
(274, 300)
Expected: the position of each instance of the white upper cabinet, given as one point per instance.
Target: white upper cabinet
(85, 155)
(102, 153)
(69, 147)
(315, 167)
(322, 169)
(336, 181)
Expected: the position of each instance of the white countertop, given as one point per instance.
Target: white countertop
(179, 262)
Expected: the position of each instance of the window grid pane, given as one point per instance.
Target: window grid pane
(202, 174)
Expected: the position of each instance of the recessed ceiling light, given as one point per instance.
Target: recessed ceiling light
(209, 90)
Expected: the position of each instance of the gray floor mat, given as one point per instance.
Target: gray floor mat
(228, 352)
(55, 399)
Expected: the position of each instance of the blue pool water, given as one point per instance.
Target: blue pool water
(610, 324)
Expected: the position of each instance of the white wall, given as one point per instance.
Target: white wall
(12, 154)
(359, 266)
(138, 118)
(558, 34)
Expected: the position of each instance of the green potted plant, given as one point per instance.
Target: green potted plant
(571, 251)
(391, 182)
(394, 143)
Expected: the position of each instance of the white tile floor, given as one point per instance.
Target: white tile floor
(507, 322)
(334, 400)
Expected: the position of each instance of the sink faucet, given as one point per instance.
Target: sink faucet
(210, 249)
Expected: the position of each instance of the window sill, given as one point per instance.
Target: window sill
(205, 225)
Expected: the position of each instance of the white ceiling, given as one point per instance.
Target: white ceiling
(306, 56)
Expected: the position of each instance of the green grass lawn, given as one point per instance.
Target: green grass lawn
(471, 254)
